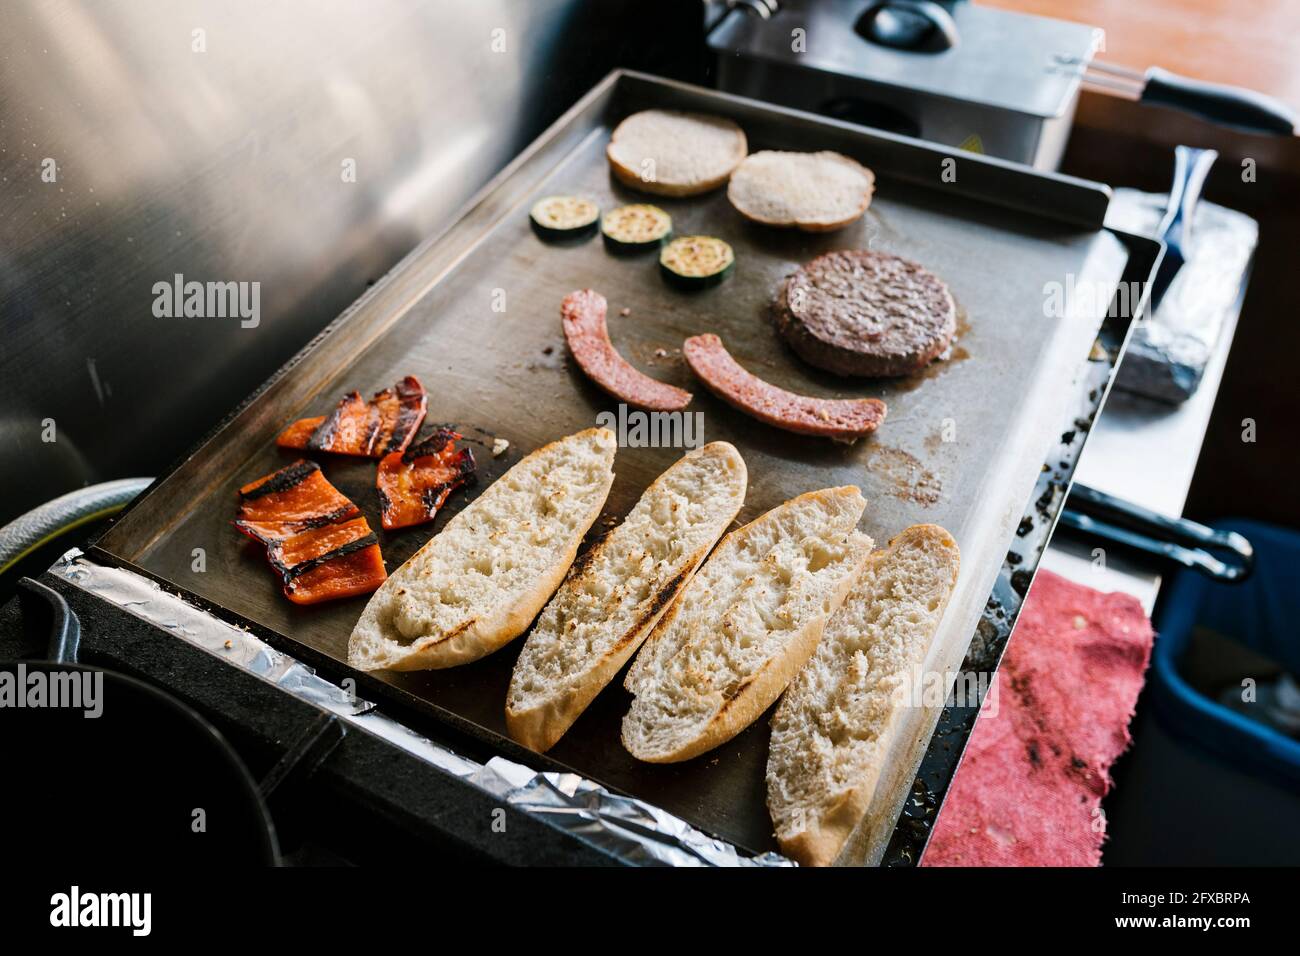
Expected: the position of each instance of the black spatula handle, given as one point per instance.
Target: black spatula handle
(1219, 103)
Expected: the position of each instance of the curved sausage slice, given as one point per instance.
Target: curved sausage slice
(583, 316)
(844, 419)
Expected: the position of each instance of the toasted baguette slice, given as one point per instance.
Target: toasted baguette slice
(815, 192)
(671, 153)
(744, 626)
(616, 592)
(481, 581)
(832, 730)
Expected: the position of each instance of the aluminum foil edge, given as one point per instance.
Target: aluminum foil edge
(637, 832)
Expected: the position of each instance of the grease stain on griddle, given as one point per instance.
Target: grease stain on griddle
(936, 440)
(656, 355)
(551, 358)
(907, 479)
(955, 353)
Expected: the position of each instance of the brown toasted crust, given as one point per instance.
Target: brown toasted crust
(754, 697)
(480, 636)
(540, 728)
(862, 313)
(820, 844)
(665, 619)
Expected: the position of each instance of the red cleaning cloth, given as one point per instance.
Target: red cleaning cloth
(1028, 790)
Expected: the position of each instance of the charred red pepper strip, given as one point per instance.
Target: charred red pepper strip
(401, 411)
(314, 544)
(372, 429)
(348, 430)
(299, 433)
(415, 483)
(345, 575)
(338, 560)
(316, 539)
(292, 499)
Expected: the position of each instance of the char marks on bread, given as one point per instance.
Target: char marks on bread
(618, 590)
(742, 628)
(833, 730)
(479, 583)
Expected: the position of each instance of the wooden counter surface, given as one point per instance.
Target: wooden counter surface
(1251, 43)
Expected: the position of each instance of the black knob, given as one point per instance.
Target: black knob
(919, 26)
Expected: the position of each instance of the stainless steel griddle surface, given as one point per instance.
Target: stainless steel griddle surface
(475, 314)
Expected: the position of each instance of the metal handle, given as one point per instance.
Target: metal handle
(1113, 519)
(65, 629)
(764, 9)
(1191, 167)
(1219, 103)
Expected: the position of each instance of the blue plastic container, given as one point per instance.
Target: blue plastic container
(1262, 613)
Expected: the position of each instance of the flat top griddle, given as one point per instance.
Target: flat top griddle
(475, 314)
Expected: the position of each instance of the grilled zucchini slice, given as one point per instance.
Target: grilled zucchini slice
(696, 262)
(637, 228)
(564, 217)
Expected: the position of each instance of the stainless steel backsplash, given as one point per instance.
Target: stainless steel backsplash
(145, 139)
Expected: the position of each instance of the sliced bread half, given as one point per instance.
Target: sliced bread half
(618, 589)
(832, 730)
(481, 581)
(744, 626)
(672, 153)
(815, 192)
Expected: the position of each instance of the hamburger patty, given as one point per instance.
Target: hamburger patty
(865, 313)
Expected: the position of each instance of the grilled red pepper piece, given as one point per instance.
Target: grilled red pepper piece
(316, 543)
(316, 539)
(293, 499)
(372, 429)
(347, 575)
(414, 484)
(401, 411)
(299, 433)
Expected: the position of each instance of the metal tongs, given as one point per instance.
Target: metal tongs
(1175, 539)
